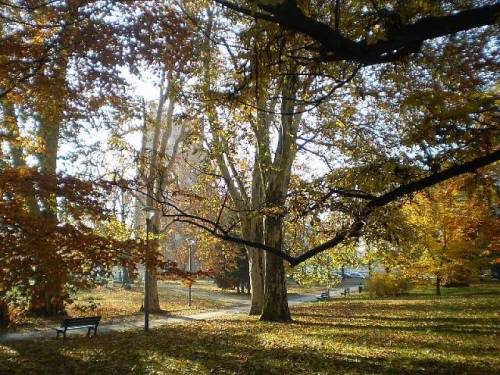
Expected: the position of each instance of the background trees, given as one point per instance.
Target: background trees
(453, 222)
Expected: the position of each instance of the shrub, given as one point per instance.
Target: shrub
(388, 285)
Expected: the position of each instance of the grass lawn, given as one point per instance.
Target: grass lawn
(416, 334)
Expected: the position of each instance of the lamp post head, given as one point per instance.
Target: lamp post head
(149, 212)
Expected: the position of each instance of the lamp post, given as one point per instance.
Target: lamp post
(149, 212)
(190, 242)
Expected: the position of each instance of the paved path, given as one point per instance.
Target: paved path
(232, 298)
(241, 308)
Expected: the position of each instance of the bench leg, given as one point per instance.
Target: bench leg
(92, 329)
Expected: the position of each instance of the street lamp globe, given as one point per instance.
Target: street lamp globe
(149, 212)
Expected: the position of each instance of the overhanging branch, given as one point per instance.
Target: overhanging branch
(354, 229)
(398, 42)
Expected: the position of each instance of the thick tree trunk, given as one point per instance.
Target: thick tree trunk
(48, 293)
(154, 300)
(253, 231)
(438, 285)
(256, 271)
(275, 307)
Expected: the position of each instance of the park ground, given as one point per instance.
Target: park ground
(419, 333)
(116, 305)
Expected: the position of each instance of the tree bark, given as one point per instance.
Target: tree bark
(47, 297)
(154, 300)
(438, 285)
(151, 183)
(253, 231)
(4, 314)
(256, 270)
(275, 307)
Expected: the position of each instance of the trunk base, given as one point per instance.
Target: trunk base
(280, 317)
(275, 295)
(255, 310)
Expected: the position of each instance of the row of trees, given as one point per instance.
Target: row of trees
(446, 235)
(327, 113)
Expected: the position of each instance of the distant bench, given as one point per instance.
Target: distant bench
(324, 296)
(346, 292)
(69, 324)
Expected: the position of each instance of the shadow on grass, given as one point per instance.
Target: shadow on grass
(347, 336)
(444, 328)
(238, 346)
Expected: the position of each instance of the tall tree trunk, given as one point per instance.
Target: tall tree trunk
(438, 285)
(275, 307)
(253, 231)
(48, 293)
(256, 271)
(154, 300)
(151, 184)
(277, 183)
(251, 227)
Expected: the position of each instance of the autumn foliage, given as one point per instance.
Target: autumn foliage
(455, 229)
(44, 256)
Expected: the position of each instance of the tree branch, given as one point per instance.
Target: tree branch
(397, 43)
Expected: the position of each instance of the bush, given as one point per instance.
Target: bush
(388, 285)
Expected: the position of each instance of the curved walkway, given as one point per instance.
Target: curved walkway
(240, 308)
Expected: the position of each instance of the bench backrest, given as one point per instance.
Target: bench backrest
(90, 320)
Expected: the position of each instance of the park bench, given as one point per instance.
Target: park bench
(90, 322)
(346, 292)
(324, 296)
